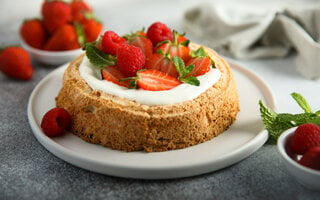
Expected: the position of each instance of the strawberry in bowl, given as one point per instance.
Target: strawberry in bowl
(60, 32)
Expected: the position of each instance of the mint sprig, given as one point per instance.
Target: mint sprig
(97, 57)
(276, 123)
(184, 71)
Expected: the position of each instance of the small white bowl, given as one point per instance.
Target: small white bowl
(308, 177)
(51, 57)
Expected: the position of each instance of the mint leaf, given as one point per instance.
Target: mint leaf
(97, 57)
(184, 71)
(302, 102)
(277, 123)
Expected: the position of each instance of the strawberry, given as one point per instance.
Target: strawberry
(158, 32)
(140, 40)
(55, 14)
(305, 137)
(201, 66)
(175, 48)
(111, 42)
(55, 121)
(130, 59)
(33, 33)
(79, 9)
(311, 158)
(155, 80)
(65, 38)
(161, 62)
(112, 73)
(15, 62)
(92, 28)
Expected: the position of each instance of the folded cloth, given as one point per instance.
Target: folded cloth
(248, 32)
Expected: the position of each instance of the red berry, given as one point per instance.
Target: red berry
(55, 121)
(159, 32)
(311, 158)
(155, 80)
(130, 59)
(16, 63)
(305, 137)
(111, 42)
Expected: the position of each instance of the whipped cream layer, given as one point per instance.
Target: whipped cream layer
(181, 93)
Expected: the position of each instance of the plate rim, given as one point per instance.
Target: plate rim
(72, 157)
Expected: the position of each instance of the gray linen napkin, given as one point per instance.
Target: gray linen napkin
(256, 32)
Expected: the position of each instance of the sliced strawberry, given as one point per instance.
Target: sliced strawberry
(155, 80)
(143, 43)
(175, 48)
(112, 73)
(162, 63)
(201, 66)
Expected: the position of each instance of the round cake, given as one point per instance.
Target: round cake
(153, 120)
(118, 123)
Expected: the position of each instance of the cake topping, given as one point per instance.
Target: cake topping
(159, 49)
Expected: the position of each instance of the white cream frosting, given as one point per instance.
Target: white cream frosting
(181, 93)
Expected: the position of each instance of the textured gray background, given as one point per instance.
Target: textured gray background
(29, 171)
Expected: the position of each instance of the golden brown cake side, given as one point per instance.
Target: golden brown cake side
(123, 124)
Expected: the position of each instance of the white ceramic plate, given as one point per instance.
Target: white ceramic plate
(244, 137)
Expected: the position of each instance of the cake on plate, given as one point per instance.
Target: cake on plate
(187, 99)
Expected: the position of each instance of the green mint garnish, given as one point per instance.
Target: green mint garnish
(276, 123)
(97, 57)
(184, 71)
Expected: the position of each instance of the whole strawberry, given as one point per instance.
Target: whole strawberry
(79, 9)
(311, 158)
(65, 38)
(15, 62)
(92, 29)
(158, 32)
(55, 14)
(33, 33)
(55, 122)
(305, 137)
(130, 59)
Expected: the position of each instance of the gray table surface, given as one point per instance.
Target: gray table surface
(29, 171)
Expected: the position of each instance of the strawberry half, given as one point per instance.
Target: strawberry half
(201, 66)
(155, 80)
(140, 40)
(175, 48)
(112, 73)
(162, 63)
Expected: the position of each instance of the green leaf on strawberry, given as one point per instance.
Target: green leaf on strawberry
(184, 71)
(97, 57)
(276, 123)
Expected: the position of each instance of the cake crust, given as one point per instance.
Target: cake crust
(118, 123)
